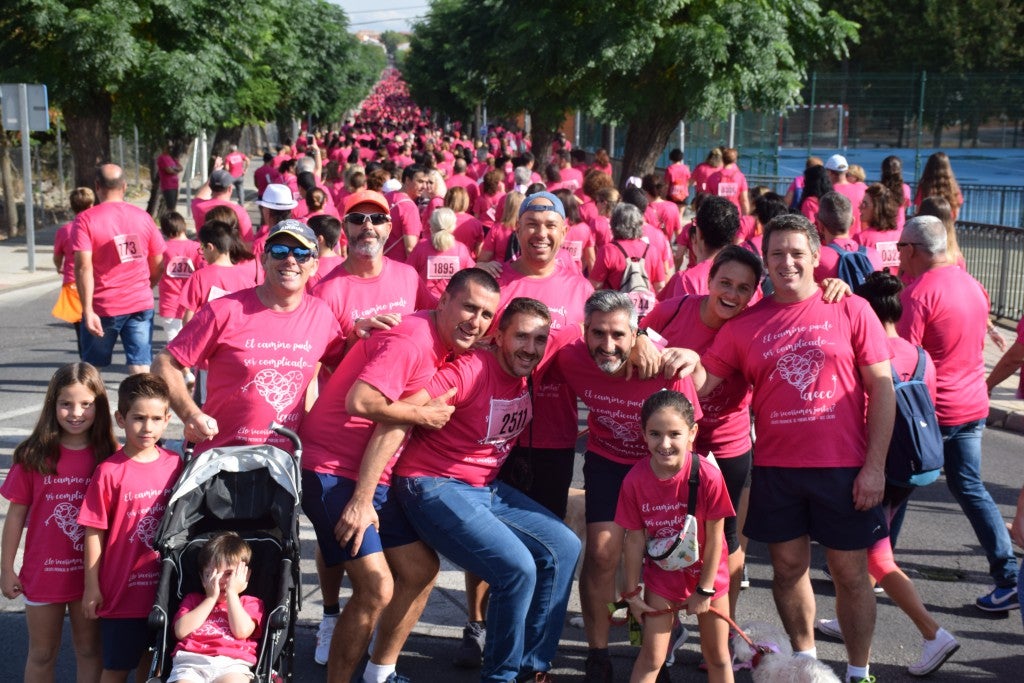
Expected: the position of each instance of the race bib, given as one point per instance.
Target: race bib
(128, 247)
(889, 253)
(179, 267)
(507, 418)
(216, 293)
(728, 189)
(575, 249)
(442, 267)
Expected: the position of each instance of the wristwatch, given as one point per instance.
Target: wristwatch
(706, 592)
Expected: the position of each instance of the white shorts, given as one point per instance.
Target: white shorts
(189, 666)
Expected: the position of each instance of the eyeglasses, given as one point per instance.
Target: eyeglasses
(900, 245)
(360, 218)
(279, 252)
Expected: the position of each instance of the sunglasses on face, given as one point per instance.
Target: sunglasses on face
(359, 218)
(279, 252)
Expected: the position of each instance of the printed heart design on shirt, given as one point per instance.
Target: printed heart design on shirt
(145, 530)
(277, 389)
(622, 432)
(801, 370)
(65, 515)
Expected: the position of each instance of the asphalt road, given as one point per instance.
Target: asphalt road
(937, 548)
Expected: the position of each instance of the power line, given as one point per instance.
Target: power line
(385, 9)
(382, 21)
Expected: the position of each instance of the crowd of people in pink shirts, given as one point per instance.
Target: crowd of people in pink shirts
(428, 309)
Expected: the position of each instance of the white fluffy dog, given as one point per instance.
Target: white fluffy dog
(773, 660)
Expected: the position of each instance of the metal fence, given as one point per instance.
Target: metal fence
(995, 257)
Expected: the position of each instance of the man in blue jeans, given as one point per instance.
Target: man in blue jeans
(945, 310)
(446, 482)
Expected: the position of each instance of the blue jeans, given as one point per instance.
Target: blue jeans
(962, 450)
(136, 332)
(525, 553)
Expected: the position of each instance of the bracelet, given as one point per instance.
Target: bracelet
(633, 593)
(706, 592)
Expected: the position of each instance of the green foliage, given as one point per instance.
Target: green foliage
(173, 67)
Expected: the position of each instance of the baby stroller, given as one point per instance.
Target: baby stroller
(255, 492)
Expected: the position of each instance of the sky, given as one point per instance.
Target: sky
(382, 15)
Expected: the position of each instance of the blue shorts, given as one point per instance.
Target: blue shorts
(324, 497)
(789, 502)
(136, 332)
(602, 480)
(124, 642)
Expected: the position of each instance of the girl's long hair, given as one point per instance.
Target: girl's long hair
(39, 452)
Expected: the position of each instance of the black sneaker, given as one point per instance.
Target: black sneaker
(470, 653)
(599, 669)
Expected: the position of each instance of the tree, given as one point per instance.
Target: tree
(644, 63)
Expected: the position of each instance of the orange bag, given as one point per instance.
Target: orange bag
(68, 306)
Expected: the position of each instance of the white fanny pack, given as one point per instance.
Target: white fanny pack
(681, 550)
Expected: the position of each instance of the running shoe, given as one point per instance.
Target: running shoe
(599, 669)
(934, 653)
(324, 633)
(999, 600)
(830, 628)
(675, 641)
(470, 653)
(745, 579)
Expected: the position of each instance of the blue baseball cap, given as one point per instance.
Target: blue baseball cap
(528, 204)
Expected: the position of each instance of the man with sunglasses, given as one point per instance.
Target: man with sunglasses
(261, 346)
(369, 290)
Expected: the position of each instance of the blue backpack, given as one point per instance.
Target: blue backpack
(915, 452)
(854, 266)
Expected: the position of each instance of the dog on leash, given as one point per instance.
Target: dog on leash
(772, 657)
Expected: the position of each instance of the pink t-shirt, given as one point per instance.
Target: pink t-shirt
(693, 280)
(578, 238)
(804, 361)
(871, 237)
(659, 507)
(398, 363)
(614, 403)
(52, 569)
(168, 177)
(328, 261)
(213, 638)
(397, 289)
(728, 182)
(469, 231)
(200, 207)
(263, 176)
(235, 164)
(181, 259)
(809, 208)
(464, 181)
(665, 217)
(127, 499)
(946, 312)
(904, 357)
(610, 264)
(122, 237)
(488, 207)
(701, 173)
(214, 281)
(855, 193)
(260, 363)
(405, 221)
(491, 408)
(828, 259)
(572, 178)
(661, 249)
(496, 241)
(436, 268)
(725, 427)
(677, 180)
(564, 292)
(62, 244)
(901, 213)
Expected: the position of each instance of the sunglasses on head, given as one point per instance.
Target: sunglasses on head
(357, 218)
(279, 252)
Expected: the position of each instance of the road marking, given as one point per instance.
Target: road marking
(20, 411)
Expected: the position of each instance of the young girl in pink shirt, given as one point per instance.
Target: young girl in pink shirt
(181, 258)
(52, 469)
(654, 504)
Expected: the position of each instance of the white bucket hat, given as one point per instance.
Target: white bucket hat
(278, 197)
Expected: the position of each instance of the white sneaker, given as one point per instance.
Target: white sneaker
(324, 633)
(830, 628)
(934, 653)
(677, 637)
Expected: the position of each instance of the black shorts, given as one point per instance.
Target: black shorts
(124, 642)
(544, 474)
(736, 473)
(602, 480)
(789, 502)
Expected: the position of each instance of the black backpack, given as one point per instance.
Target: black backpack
(854, 266)
(915, 452)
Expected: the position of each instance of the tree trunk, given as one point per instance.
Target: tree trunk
(646, 139)
(7, 173)
(88, 126)
(223, 140)
(541, 137)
